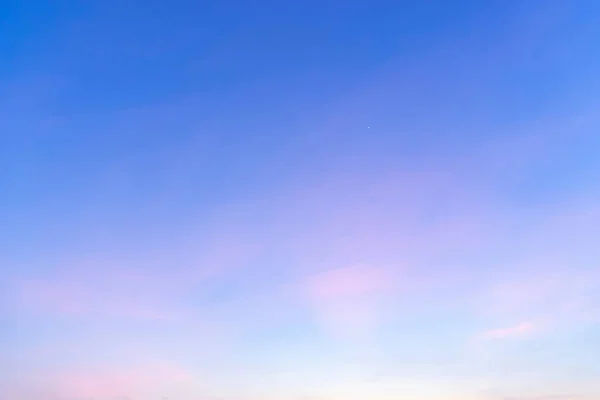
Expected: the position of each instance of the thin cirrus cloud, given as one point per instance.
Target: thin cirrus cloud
(347, 282)
(103, 382)
(349, 299)
(520, 330)
(446, 198)
(560, 288)
(152, 287)
(107, 383)
(96, 293)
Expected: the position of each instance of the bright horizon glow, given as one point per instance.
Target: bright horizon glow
(313, 200)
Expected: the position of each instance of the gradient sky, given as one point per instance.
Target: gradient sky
(325, 200)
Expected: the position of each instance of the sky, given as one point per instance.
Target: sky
(312, 200)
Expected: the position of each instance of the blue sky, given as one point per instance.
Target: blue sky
(328, 200)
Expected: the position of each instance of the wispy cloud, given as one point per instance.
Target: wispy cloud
(96, 293)
(520, 330)
(348, 300)
(348, 282)
(109, 383)
(148, 285)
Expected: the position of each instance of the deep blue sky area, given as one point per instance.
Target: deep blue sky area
(88, 86)
(89, 83)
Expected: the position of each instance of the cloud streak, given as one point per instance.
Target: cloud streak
(110, 383)
(350, 300)
(520, 330)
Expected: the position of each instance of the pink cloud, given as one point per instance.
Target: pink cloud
(108, 383)
(144, 285)
(349, 300)
(348, 282)
(519, 330)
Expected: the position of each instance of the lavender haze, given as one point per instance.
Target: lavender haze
(327, 200)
